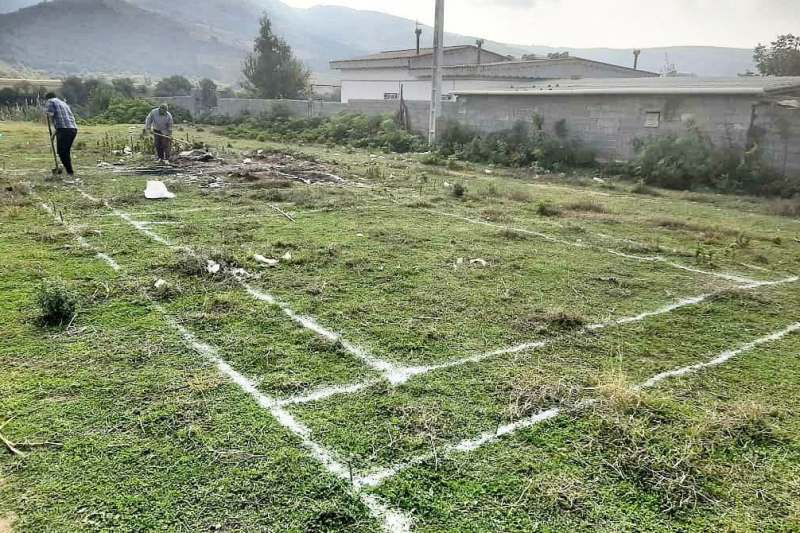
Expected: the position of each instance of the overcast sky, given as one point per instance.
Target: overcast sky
(602, 23)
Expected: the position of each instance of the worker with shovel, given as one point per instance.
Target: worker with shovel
(62, 119)
(160, 122)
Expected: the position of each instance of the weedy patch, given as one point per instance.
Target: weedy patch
(458, 190)
(548, 209)
(57, 303)
(519, 195)
(510, 234)
(549, 321)
(587, 206)
(642, 188)
(785, 207)
(531, 392)
(495, 215)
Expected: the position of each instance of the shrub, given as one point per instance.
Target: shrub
(57, 303)
(548, 209)
(458, 190)
(517, 147)
(351, 129)
(691, 161)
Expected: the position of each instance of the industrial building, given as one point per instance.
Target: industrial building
(387, 75)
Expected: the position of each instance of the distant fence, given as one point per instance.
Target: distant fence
(237, 107)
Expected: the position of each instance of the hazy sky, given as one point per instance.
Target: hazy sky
(612, 23)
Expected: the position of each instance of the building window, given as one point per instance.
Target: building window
(391, 96)
(652, 119)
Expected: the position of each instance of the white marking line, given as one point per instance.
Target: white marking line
(389, 370)
(327, 392)
(309, 323)
(721, 359)
(377, 477)
(83, 242)
(403, 374)
(550, 238)
(393, 521)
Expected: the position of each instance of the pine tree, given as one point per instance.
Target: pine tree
(781, 58)
(272, 71)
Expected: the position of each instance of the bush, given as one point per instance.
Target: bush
(547, 209)
(57, 303)
(352, 129)
(520, 146)
(691, 161)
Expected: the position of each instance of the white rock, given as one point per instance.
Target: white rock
(160, 284)
(479, 262)
(213, 267)
(247, 161)
(287, 256)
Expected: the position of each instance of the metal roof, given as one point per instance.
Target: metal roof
(666, 85)
(411, 52)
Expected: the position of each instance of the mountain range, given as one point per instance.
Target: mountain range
(200, 38)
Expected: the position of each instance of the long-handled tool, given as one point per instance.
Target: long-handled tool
(173, 139)
(57, 169)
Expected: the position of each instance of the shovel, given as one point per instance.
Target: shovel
(57, 169)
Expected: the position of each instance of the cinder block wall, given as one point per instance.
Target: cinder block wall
(610, 124)
(777, 132)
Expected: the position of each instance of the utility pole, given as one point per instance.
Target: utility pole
(436, 75)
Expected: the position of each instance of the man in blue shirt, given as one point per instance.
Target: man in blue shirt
(66, 129)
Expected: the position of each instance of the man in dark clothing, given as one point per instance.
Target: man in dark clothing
(66, 129)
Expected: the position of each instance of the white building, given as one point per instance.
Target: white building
(385, 75)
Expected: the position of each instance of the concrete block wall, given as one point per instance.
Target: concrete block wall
(610, 124)
(777, 132)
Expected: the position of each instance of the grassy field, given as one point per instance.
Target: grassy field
(439, 348)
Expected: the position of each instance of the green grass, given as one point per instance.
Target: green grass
(151, 437)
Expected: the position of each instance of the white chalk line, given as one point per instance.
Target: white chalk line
(82, 241)
(379, 476)
(720, 359)
(575, 244)
(387, 369)
(392, 520)
(405, 374)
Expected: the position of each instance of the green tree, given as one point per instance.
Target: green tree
(781, 58)
(272, 71)
(173, 86)
(125, 87)
(74, 91)
(208, 94)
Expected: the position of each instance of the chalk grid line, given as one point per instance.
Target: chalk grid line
(550, 238)
(397, 375)
(393, 520)
(379, 476)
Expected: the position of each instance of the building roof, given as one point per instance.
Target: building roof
(668, 85)
(402, 54)
(409, 55)
(515, 69)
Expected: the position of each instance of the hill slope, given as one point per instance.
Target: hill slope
(111, 36)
